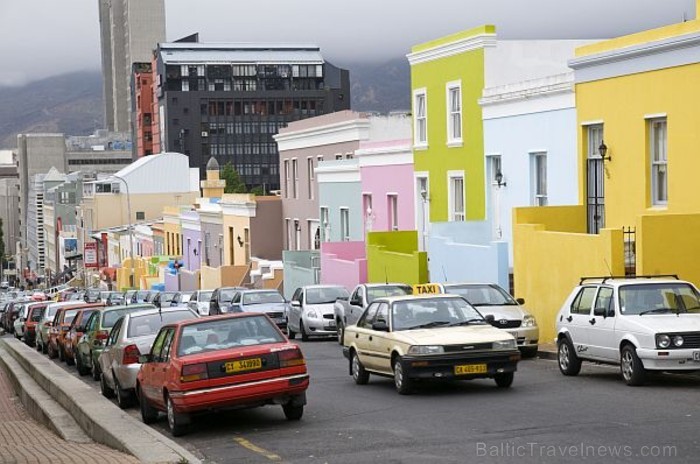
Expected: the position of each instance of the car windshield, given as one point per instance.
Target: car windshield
(659, 298)
(141, 295)
(482, 295)
(321, 295)
(150, 324)
(167, 296)
(387, 290)
(253, 298)
(36, 314)
(86, 315)
(50, 312)
(433, 312)
(227, 295)
(204, 297)
(226, 334)
(69, 315)
(112, 316)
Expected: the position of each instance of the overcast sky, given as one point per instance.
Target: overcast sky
(40, 38)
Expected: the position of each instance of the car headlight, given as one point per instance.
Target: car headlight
(311, 314)
(663, 341)
(504, 344)
(529, 321)
(678, 341)
(426, 349)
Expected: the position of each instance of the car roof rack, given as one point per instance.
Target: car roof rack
(604, 279)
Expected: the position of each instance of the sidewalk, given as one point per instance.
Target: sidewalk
(23, 440)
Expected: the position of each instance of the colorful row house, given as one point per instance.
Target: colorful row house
(637, 104)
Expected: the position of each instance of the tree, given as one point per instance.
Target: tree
(259, 191)
(233, 180)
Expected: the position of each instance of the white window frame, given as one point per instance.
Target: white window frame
(454, 115)
(495, 165)
(538, 198)
(295, 178)
(344, 224)
(452, 215)
(310, 176)
(392, 203)
(288, 232)
(368, 211)
(286, 178)
(419, 143)
(325, 223)
(658, 161)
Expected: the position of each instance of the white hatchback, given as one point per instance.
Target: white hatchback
(641, 324)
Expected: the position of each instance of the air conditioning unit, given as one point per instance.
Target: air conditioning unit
(205, 134)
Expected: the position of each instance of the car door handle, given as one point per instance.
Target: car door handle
(370, 338)
(357, 335)
(569, 319)
(592, 321)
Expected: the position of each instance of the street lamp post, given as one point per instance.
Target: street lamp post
(131, 230)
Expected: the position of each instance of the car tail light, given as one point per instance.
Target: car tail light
(102, 335)
(291, 357)
(131, 355)
(192, 372)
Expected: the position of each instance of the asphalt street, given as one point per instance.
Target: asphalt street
(544, 417)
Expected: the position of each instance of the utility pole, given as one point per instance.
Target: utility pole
(131, 229)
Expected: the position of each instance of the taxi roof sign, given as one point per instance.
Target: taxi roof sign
(427, 289)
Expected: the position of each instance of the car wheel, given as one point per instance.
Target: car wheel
(176, 421)
(359, 374)
(528, 352)
(52, 353)
(293, 412)
(504, 380)
(104, 388)
(403, 384)
(148, 413)
(59, 353)
(95, 371)
(124, 398)
(302, 331)
(341, 332)
(38, 345)
(631, 366)
(70, 360)
(82, 370)
(569, 362)
(290, 333)
(44, 348)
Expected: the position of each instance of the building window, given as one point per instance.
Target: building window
(140, 216)
(367, 211)
(344, 225)
(456, 197)
(420, 122)
(454, 112)
(659, 161)
(539, 179)
(310, 176)
(295, 178)
(393, 211)
(288, 232)
(185, 85)
(286, 178)
(495, 166)
(325, 224)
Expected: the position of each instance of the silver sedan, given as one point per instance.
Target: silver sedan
(131, 336)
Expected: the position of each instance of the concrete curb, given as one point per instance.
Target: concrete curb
(102, 420)
(545, 354)
(39, 404)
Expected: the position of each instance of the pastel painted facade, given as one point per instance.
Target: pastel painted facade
(637, 96)
(172, 230)
(211, 221)
(144, 241)
(340, 201)
(344, 263)
(191, 240)
(394, 257)
(300, 268)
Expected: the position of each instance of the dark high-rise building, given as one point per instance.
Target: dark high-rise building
(228, 100)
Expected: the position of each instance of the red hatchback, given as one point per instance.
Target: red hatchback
(238, 360)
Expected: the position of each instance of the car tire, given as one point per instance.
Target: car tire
(70, 360)
(124, 397)
(38, 345)
(59, 353)
(359, 374)
(82, 370)
(504, 380)
(95, 371)
(104, 388)
(528, 352)
(569, 363)
(149, 414)
(53, 354)
(44, 348)
(290, 333)
(177, 423)
(302, 331)
(341, 332)
(404, 385)
(293, 412)
(631, 367)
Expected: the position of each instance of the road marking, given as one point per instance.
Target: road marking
(256, 449)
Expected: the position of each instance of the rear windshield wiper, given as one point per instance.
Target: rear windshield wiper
(657, 310)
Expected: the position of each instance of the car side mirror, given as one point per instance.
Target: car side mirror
(602, 312)
(380, 326)
(296, 303)
(490, 319)
(520, 301)
(145, 358)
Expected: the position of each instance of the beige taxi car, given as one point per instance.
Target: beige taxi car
(427, 337)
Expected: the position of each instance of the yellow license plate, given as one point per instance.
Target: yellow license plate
(471, 369)
(243, 365)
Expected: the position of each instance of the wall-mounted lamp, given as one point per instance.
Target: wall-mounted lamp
(603, 150)
(499, 179)
(194, 252)
(297, 226)
(240, 241)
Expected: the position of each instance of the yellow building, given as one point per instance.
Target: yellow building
(638, 109)
(172, 229)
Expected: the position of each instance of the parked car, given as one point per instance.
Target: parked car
(59, 328)
(129, 296)
(151, 296)
(270, 302)
(183, 298)
(414, 338)
(113, 298)
(92, 295)
(18, 324)
(42, 330)
(139, 296)
(165, 299)
(199, 301)
(508, 313)
(96, 333)
(34, 316)
(132, 336)
(75, 333)
(232, 361)
(12, 313)
(641, 324)
(311, 311)
(221, 299)
(347, 312)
